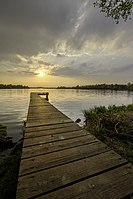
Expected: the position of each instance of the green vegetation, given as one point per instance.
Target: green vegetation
(113, 126)
(3, 132)
(122, 87)
(5, 141)
(116, 9)
(9, 166)
(10, 86)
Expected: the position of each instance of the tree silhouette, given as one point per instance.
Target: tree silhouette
(116, 9)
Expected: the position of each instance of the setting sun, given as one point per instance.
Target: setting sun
(41, 74)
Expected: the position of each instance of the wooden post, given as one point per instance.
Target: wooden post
(47, 96)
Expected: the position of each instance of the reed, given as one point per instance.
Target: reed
(114, 126)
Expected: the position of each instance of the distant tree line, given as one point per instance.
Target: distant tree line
(123, 87)
(11, 86)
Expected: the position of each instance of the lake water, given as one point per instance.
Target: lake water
(14, 104)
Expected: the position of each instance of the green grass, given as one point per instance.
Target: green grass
(113, 126)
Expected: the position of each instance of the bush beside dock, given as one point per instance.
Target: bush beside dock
(113, 126)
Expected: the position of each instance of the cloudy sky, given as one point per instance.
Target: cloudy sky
(62, 43)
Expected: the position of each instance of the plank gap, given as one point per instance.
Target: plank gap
(79, 180)
(95, 141)
(96, 154)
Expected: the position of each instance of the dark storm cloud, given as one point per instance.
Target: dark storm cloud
(13, 65)
(82, 70)
(9, 57)
(22, 73)
(54, 15)
(93, 27)
(45, 63)
(60, 55)
(124, 69)
(29, 27)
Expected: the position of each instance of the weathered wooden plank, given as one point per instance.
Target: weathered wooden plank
(51, 126)
(42, 109)
(56, 146)
(53, 138)
(38, 101)
(46, 115)
(47, 121)
(46, 161)
(50, 117)
(38, 105)
(53, 178)
(114, 184)
(52, 131)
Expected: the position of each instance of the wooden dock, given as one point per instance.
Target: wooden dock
(60, 160)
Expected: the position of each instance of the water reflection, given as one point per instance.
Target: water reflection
(14, 104)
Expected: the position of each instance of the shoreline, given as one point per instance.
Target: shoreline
(10, 156)
(113, 126)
